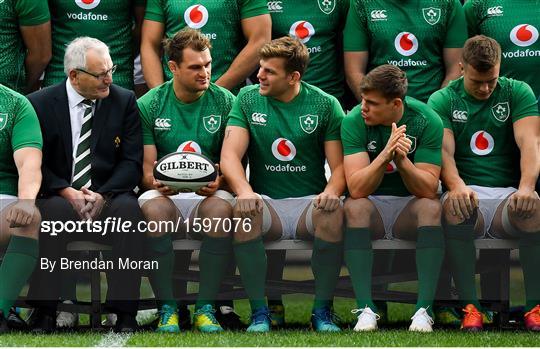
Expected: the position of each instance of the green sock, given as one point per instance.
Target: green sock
(161, 250)
(529, 256)
(214, 259)
(462, 259)
(251, 261)
(326, 261)
(17, 266)
(359, 260)
(429, 257)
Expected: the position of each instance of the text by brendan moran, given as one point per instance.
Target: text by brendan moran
(97, 264)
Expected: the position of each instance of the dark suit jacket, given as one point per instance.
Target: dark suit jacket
(116, 146)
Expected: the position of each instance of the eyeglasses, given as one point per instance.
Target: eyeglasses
(101, 76)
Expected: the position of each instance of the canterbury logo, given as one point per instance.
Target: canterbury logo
(162, 123)
(495, 11)
(275, 6)
(378, 15)
(259, 118)
(459, 115)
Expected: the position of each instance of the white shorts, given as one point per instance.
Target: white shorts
(186, 203)
(490, 199)
(289, 211)
(389, 208)
(6, 200)
(138, 78)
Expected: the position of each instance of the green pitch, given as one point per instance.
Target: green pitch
(297, 332)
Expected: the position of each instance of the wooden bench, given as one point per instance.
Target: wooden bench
(501, 270)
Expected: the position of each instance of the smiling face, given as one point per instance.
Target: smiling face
(274, 80)
(85, 83)
(480, 85)
(193, 73)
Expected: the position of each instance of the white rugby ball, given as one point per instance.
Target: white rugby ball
(185, 171)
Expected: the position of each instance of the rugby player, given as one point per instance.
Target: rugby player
(491, 162)
(187, 113)
(392, 146)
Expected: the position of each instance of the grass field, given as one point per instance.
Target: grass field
(297, 332)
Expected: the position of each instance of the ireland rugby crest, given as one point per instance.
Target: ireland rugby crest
(327, 6)
(413, 143)
(501, 111)
(432, 15)
(3, 120)
(212, 123)
(309, 123)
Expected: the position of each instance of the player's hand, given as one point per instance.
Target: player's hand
(212, 187)
(76, 199)
(404, 145)
(326, 202)
(20, 214)
(390, 148)
(163, 189)
(523, 202)
(249, 205)
(94, 204)
(463, 202)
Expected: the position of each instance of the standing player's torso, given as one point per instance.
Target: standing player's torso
(12, 52)
(319, 27)
(410, 35)
(107, 20)
(195, 127)
(486, 153)
(286, 147)
(218, 19)
(515, 24)
(377, 137)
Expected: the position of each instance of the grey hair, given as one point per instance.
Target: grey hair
(75, 56)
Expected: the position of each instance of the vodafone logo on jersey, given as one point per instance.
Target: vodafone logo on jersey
(196, 16)
(302, 30)
(482, 143)
(87, 4)
(524, 35)
(191, 147)
(283, 149)
(406, 43)
(390, 167)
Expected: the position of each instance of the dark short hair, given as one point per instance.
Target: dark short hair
(295, 53)
(187, 37)
(481, 52)
(388, 80)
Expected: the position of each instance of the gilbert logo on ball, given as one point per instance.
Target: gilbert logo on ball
(406, 43)
(283, 149)
(482, 143)
(87, 4)
(524, 35)
(185, 171)
(196, 16)
(302, 30)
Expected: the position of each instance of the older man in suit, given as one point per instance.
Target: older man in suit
(92, 161)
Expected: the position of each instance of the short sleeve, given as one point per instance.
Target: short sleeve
(439, 102)
(353, 133)
(154, 11)
(456, 33)
(252, 8)
(429, 148)
(26, 130)
(355, 34)
(236, 116)
(333, 131)
(523, 101)
(146, 119)
(470, 17)
(32, 12)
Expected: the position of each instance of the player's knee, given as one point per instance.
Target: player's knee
(358, 212)
(428, 210)
(159, 209)
(526, 225)
(329, 225)
(214, 207)
(448, 214)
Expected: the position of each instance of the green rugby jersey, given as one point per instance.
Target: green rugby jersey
(13, 14)
(19, 128)
(219, 20)
(515, 25)
(486, 153)
(424, 129)
(319, 26)
(286, 145)
(110, 21)
(409, 34)
(172, 125)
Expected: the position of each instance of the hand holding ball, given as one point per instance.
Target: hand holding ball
(185, 171)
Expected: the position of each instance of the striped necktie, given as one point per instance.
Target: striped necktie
(81, 174)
